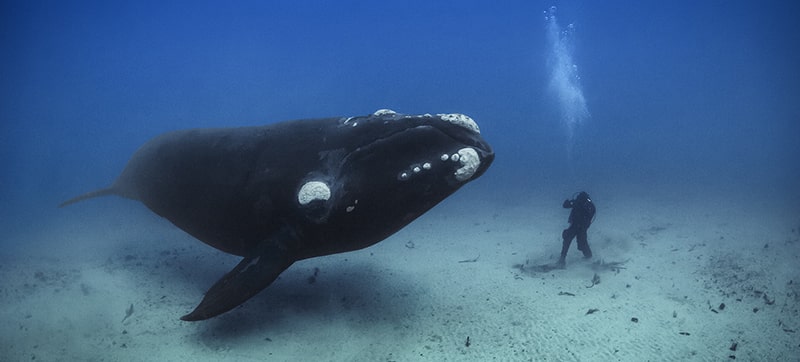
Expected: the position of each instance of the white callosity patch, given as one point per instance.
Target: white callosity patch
(461, 120)
(458, 119)
(313, 190)
(383, 112)
(470, 162)
(413, 169)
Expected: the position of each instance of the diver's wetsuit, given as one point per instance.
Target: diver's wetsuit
(580, 218)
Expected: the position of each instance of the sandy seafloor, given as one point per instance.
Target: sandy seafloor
(67, 283)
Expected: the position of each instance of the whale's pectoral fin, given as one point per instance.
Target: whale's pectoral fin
(249, 277)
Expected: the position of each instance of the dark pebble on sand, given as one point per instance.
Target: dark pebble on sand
(722, 306)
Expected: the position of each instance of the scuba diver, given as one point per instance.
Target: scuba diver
(580, 218)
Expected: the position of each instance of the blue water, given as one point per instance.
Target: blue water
(671, 91)
(691, 101)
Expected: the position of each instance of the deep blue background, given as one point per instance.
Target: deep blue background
(703, 94)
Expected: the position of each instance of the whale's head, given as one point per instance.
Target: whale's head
(395, 168)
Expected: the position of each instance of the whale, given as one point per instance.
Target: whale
(292, 190)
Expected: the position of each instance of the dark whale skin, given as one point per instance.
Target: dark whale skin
(293, 190)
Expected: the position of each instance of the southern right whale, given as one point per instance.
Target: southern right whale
(288, 191)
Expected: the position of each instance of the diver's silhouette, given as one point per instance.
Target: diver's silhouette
(580, 218)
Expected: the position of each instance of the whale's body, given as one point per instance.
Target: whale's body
(288, 191)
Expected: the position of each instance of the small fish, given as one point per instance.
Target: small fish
(128, 313)
(470, 260)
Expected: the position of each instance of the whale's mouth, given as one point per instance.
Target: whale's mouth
(460, 127)
(468, 152)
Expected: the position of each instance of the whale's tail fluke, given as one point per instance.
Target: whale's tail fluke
(89, 195)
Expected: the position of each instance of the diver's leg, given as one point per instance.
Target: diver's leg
(583, 243)
(567, 236)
